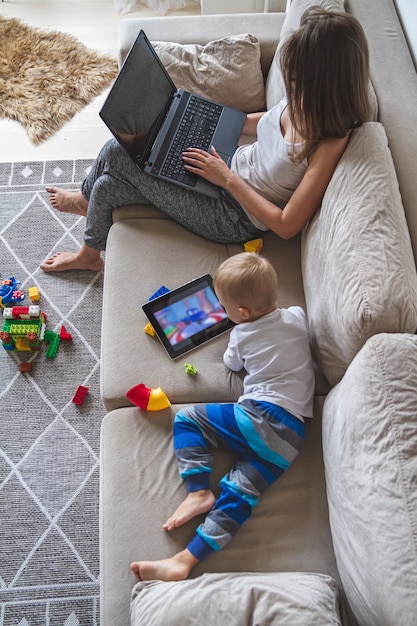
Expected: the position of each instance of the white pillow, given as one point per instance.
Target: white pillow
(358, 268)
(275, 88)
(370, 456)
(293, 599)
(227, 70)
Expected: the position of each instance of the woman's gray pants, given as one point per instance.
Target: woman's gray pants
(115, 181)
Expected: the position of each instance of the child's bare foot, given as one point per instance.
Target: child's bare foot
(67, 201)
(176, 568)
(196, 503)
(86, 259)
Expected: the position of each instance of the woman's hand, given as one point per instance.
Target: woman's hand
(209, 165)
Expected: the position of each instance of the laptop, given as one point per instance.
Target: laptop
(155, 122)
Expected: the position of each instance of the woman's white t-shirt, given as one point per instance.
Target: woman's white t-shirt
(266, 165)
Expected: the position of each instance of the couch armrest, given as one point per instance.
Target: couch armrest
(201, 29)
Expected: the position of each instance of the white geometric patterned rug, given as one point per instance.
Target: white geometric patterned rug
(49, 457)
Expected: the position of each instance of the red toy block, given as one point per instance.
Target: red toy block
(80, 394)
(147, 398)
(64, 335)
(139, 395)
(25, 367)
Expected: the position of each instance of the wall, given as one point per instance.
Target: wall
(407, 11)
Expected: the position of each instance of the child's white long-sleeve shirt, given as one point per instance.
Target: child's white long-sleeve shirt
(275, 352)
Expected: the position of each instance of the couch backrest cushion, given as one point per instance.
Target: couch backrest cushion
(227, 70)
(370, 455)
(358, 268)
(200, 29)
(275, 89)
(395, 80)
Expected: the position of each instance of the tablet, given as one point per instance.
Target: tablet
(188, 316)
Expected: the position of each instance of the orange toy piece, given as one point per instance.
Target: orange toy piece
(147, 398)
(254, 245)
(149, 329)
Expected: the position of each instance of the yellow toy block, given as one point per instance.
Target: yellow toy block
(22, 345)
(34, 294)
(149, 329)
(254, 245)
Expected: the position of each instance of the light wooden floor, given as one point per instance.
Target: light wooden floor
(94, 22)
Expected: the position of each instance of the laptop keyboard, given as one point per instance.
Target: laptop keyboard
(195, 131)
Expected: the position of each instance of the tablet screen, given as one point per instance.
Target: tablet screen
(188, 316)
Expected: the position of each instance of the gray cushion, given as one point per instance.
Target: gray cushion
(291, 599)
(358, 268)
(226, 70)
(370, 454)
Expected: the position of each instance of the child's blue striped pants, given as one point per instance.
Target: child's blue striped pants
(266, 437)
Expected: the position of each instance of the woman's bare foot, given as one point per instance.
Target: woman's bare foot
(175, 568)
(196, 503)
(86, 259)
(67, 201)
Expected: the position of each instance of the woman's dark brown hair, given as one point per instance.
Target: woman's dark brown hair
(325, 66)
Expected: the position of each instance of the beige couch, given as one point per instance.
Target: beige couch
(335, 540)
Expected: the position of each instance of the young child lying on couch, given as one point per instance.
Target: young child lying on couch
(265, 426)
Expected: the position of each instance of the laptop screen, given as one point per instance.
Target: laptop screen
(139, 100)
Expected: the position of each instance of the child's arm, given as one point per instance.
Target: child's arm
(231, 357)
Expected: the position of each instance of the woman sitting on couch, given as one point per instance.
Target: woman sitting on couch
(277, 183)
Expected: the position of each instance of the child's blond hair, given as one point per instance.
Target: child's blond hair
(249, 280)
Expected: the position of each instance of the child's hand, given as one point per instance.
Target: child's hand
(209, 165)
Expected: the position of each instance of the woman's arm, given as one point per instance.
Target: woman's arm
(302, 205)
(251, 124)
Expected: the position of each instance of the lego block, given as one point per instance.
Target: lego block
(25, 367)
(64, 335)
(160, 292)
(149, 329)
(22, 329)
(22, 344)
(54, 341)
(34, 294)
(6, 338)
(80, 395)
(254, 245)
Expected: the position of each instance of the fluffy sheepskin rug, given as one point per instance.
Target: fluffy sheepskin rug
(47, 77)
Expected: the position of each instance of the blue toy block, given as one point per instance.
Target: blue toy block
(161, 291)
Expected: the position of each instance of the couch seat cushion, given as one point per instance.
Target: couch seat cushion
(370, 454)
(358, 267)
(141, 256)
(141, 487)
(237, 599)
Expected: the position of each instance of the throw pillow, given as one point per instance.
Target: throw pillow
(236, 599)
(275, 88)
(358, 267)
(226, 70)
(370, 456)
